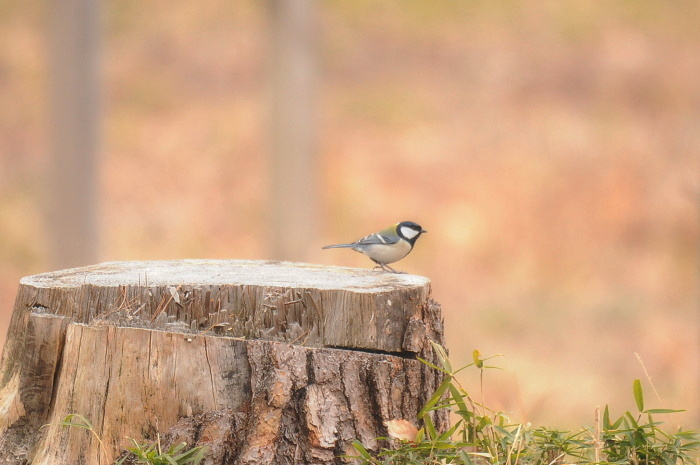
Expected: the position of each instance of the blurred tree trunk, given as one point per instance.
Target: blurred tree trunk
(293, 127)
(74, 87)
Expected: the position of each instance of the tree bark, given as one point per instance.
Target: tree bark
(263, 363)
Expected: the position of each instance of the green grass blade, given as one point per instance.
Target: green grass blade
(447, 435)
(464, 457)
(435, 398)
(442, 356)
(420, 435)
(361, 450)
(431, 365)
(430, 428)
(638, 395)
(458, 398)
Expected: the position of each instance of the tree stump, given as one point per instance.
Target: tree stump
(262, 362)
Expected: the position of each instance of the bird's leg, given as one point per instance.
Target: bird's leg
(382, 267)
(386, 267)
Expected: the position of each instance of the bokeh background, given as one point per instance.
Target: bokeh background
(552, 150)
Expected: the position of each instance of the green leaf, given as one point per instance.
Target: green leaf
(442, 356)
(476, 355)
(492, 367)
(638, 395)
(188, 454)
(504, 432)
(617, 423)
(670, 460)
(175, 448)
(425, 362)
(430, 428)
(485, 421)
(435, 398)
(687, 434)
(606, 418)
(75, 419)
(361, 450)
(458, 398)
(466, 460)
(447, 435)
(420, 435)
(655, 411)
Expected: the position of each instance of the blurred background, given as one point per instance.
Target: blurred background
(552, 150)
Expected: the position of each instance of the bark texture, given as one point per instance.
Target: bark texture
(263, 363)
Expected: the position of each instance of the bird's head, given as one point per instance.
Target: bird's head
(409, 230)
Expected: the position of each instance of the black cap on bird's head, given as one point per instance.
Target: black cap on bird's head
(409, 230)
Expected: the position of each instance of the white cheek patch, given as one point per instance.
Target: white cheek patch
(409, 233)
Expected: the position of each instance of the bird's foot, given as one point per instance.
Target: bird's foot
(390, 269)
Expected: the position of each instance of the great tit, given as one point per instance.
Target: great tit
(388, 245)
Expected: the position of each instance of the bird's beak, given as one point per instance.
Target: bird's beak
(423, 231)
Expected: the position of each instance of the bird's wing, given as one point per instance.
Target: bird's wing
(386, 236)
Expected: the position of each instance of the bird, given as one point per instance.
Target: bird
(388, 245)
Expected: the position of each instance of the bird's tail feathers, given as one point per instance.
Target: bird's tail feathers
(339, 246)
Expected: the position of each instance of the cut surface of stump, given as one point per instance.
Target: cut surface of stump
(240, 356)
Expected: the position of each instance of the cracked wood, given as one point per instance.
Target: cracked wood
(243, 357)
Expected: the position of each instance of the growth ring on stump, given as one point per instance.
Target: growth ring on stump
(261, 362)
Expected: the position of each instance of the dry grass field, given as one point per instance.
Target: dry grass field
(552, 150)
